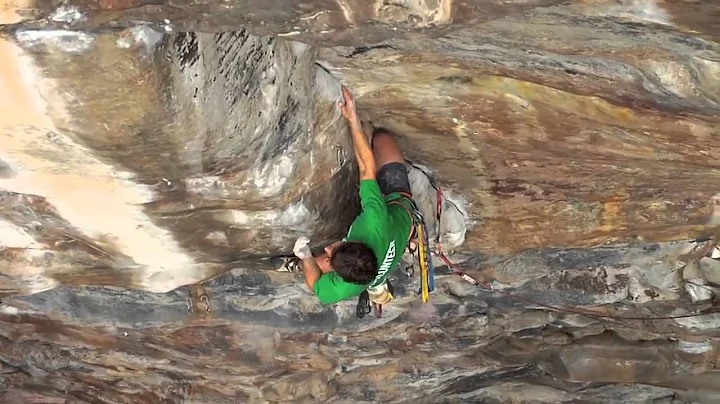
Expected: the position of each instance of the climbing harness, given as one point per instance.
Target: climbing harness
(420, 236)
(418, 247)
(383, 294)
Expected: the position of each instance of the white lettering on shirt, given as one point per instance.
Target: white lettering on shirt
(387, 262)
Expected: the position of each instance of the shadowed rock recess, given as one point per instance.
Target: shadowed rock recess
(154, 154)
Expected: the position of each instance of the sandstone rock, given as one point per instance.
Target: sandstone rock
(698, 290)
(710, 269)
(557, 338)
(635, 393)
(705, 322)
(617, 365)
(696, 281)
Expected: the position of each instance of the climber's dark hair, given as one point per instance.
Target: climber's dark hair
(354, 262)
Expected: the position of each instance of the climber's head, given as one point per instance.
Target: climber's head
(355, 262)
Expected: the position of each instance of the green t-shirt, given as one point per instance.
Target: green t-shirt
(384, 228)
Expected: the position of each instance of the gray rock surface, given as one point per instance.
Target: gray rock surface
(710, 269)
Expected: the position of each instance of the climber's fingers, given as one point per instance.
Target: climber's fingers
(302, 249)
(347, 105)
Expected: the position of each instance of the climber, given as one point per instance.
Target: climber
(374, 245)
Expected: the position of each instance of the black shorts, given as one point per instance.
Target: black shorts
(393, 177)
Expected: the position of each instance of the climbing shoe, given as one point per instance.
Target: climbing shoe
(285, 263)
(363, 307)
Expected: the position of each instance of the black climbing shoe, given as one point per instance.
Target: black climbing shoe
(285, 263)
(363, 307)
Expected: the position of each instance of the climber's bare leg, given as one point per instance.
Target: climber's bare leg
(385, 148)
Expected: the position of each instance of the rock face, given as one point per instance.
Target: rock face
(153, 155)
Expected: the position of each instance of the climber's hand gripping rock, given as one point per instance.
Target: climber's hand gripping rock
(363, 151)
(302, 249)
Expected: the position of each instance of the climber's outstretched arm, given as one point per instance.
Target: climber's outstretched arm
(312, 272)
(363, 151)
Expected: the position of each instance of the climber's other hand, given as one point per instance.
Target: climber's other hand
(302, 249)
(347, 106)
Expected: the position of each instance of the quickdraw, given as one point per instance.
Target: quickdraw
(427, 270)
(424, 255)
(421, 234)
